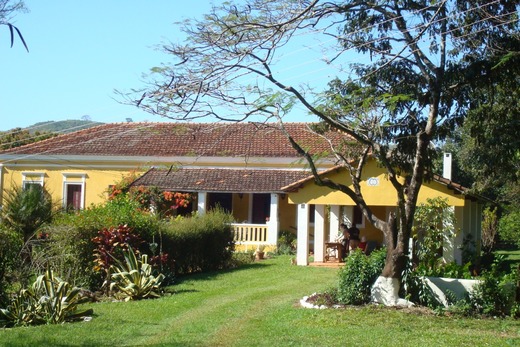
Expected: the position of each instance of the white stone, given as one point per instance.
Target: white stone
(440, 286)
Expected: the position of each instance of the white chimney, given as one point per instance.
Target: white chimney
(446, 168)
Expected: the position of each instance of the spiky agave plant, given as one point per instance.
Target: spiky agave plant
(58, 300)
(49, 300)
(134, 278)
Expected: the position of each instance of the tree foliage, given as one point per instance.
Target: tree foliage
(27, 209)
(434, 227)
(404, 71)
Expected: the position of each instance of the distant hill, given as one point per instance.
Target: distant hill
(62, 127)
(40, 131)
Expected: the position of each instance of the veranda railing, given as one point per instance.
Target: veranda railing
(250, 234)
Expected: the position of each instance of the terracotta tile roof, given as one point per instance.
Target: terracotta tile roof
(177, 139)
(220, 180)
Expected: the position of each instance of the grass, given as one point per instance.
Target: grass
(512, 257)
(257, 305)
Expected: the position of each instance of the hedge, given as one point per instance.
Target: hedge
(199, 243)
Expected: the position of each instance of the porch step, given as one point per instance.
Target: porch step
(332, 265)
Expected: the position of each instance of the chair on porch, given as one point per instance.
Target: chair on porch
(334, 250)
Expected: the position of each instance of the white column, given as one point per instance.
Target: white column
(319, 233)
(448, 251)
(461, 232)
(302, 250)
(334, 223)
(201, 202)
(274, 224)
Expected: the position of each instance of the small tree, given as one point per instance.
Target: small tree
(434, 229)
(27, 209)
(489, 229)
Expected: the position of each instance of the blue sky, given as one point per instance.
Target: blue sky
(79, 52)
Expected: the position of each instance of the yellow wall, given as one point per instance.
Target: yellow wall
(287, 215)
(96, 181)
(382, 193)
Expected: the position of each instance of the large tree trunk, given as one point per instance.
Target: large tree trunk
(386, 288)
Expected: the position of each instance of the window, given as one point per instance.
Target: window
(74, 194)
(74, 190)
(32, 178)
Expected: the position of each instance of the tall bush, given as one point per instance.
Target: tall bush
(199, 243)
(70, 237)
(358, 275)
(27, 209)
(434, 227)
(11, 244)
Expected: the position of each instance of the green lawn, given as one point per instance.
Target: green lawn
(512, 257)
(257, 305)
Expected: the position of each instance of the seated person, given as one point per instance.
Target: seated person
(363, 244)
(354, 238)
(346, 238)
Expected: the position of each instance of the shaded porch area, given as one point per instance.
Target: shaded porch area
(253, 196)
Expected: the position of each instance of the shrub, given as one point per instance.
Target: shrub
(495, 294)
(358, 275)
(111, 245)
(199, 243)
(286, 243)
(70, 237)
(26, 209)
(509, 227)
(133, 278)
(434, 226)
(241, 258)
(11, 244)
(415, 289)
(49, 300)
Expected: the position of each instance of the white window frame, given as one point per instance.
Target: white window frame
(67, 181)
(29, 177)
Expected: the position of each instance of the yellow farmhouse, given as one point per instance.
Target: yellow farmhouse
(247, 168)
